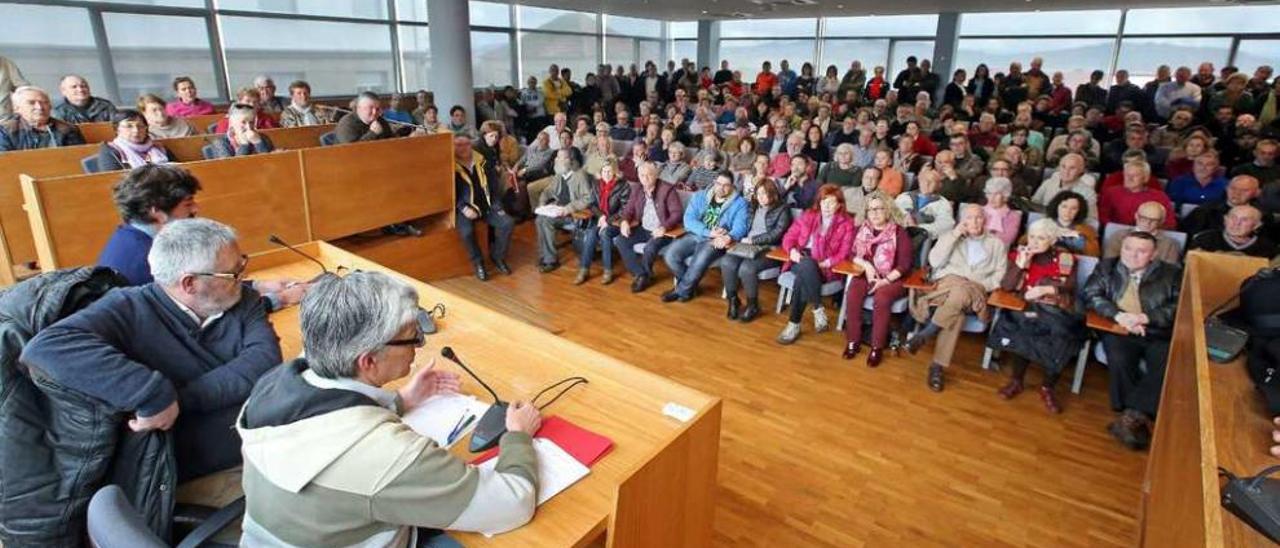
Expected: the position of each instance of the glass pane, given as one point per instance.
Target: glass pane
(491, 58)
(532, 18)
(24, 39)
(415, 52)
(1044, 22)
(1202, 20)
(1255, 53)
(683, 49)
(892, 25)
(577, 53)
(617, 24)
(411, 10)
(619, 51)
(1075, 57)
(1141, 56)
(842, 53)
(684, 29)
(490, 14)
(902, 49)
(364, 9)
(747, 55)
(362, 63)
(173, 3)
(149, 50)
(650, 50)
(769, 27)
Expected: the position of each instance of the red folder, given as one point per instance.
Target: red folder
(584, 445)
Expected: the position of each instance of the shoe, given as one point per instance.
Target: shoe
(851, 349)
(1010, 390)
(607, 278)
(502, 267)
(750, 312)
(670, 296)
(734, 303)
(1050, 400)
(640, 283)
(875, 357)
(582, 276)
(820, 323)
(936, 377)
(481, 273)
(789, 333)
(686, 297)
(547, 267)
(914, 343)
(1130, 430)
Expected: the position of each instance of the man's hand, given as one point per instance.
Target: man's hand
(251, 136)
(660, 232)
(428, 382)
(602, 223)
(470, 213)
(1275, 437)
(523, 417)
(293, 293)
(625, 229)
(375, 126)
(418, 132)
(160, 421)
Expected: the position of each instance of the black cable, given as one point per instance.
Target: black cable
(575, 382)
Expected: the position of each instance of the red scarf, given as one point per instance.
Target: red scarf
(881, 248)
(606, 188)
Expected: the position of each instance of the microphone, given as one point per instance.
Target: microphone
(494, 422)
(277, 241)
(392, 122)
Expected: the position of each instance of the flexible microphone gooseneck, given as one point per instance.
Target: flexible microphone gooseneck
(392, 122)
(277, 241)
(494, 422)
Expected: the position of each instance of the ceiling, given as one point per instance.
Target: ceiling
(682, 10)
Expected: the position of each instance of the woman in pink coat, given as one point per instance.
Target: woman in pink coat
(819, 240)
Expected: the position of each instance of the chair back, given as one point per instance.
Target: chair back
(328, 139)
(114, 523)
(207, 152)
(90, 164)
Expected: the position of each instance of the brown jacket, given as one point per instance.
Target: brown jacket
(666, 200)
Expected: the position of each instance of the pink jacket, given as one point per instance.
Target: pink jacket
(835, 245)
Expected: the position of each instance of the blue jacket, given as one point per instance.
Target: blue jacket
(126, 253)
(1187, 190)
(733, 218)
(15, 134)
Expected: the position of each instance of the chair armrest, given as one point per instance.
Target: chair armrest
(1095, 321)
(918, 281)
(1007, 300)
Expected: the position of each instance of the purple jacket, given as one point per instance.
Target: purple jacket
(666, 200)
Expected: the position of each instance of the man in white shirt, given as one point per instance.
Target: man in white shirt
(1070, 176)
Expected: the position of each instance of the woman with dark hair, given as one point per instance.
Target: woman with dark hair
(1070, 210)
(815, 146)
(830, 83)
(815, 243)
(981, 87)
(882, 248)
(770, 218)
(806, 82)
(133, 145)
(955, 92)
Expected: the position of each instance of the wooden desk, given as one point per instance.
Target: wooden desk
(655, 488)
(1210, 416)
(918, 280)
(1007, 300)
(843, 267)
(1096, 321)
(101, 132)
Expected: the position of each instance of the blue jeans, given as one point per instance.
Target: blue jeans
(640, 266)
(704, 255)
(605, 238)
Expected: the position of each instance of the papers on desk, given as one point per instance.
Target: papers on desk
(442, 414)
(557, 469)
(549, 210)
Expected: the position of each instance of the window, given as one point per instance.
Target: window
(1254, 53)
(415, 56)
(1075, 57)
(748, 55)
(1047, 22)
(337, 58)
(1141, 56)
(617, 24)
(684, 29)
(843, 52)
(491, 58)
(149, 50)
(892, 25)
(650, 50)
(363, 9)
(902, 49)
(411, 10)
(171, 3)
(490, 14)
(619, 51)
(24, 39)
(1234, 19)
(532, 18)
(683, 49)
(769, 27)
(539, 51)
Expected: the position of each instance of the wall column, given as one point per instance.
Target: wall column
(944, 50)
(450, 74)
(708, 45)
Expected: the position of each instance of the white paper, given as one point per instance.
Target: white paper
(549, 210)
(557, 469)
(436, 417)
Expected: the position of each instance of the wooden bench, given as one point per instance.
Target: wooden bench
(101, 132)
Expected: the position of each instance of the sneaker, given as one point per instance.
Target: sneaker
(582, 276)
(607, 278)
(820, 323)
(789, 333)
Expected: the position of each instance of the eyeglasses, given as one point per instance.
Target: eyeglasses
(236, 275)
(1152, 220)
(418, 341)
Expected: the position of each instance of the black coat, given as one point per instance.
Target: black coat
(617, 199)
(1158, 292)
(776, 221)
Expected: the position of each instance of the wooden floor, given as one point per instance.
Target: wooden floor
(818, 451)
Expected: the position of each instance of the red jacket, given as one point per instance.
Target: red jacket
(1118, 205)
(835, 245)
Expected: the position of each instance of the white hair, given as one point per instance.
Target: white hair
(22, 90)
(345, 317)
(187, 246)
(262, 80)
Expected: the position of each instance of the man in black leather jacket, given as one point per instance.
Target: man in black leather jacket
(1147, 312)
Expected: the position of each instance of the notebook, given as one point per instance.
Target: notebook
(584, 445)
(442, 414)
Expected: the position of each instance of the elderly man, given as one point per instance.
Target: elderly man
(1120, 204)
(1204, 184)
(651, 212)
(181, 353)
(568, 192)
(968, 263)
(1263, 167)
(78, 105)
(956, 187)
(1140, 293)
(1180, 92)
(713, 221)
(1241, 190)
(1150, 218)
(378, 482)
(926, 207)
(300, 111)
(1135, 138)
(367, 123)
(1069, 176)
(270, 103)
(968, 165)
(780, 165)
(559, 125)
(1239, 237)
(478, 198)
(32, 126)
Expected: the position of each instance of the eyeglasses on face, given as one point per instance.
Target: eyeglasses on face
(235, 275)
(419, 340)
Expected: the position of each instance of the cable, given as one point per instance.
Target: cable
(575, 382)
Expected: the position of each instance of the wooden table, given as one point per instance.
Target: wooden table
(848, 268)
(655, 488)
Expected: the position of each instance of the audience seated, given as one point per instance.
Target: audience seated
(855, 197)
(1120, 204)
(768, 218)
(1180, 93)
(715, 219)
(704, 174)
(891, 180)
(652, 211)
(882, 249)
(1140, 293)
(300, 111)
(249, 96)
(1241, 190)
(568, 192)
(1150, 218)
(1075, 232)
(133, 146)
(820, 239)
(926, 207)
(270, 103)
(956, 187)
(367, 124)
(1239, 235)
(798, 186)
(396, 113)
(1001, 220)
(78, 105)
(458, 122)
(240, 139)
(31, 125)
(1205, 184)
(609, 194)
(160, 125)
(1070, 176)
(478, 191)
(1263, 167)
(187, 102)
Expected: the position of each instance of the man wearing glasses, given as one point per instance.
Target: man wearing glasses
(1149, 219)
(180, 354)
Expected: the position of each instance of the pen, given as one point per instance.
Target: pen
(460, 428)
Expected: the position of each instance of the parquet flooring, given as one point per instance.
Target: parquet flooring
(818, 451)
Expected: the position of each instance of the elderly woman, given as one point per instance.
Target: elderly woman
(770, 219)
(1071, 212)
(132, 147)
(1182, 159)
(159, 124)
(675, 171)
(741, 160)
(241, 138)
(609, 193)
(599, 150)
(704, 175)
(1050, 330)
(815, 243)
(1002, 220)
(841, 171)
(1078, 142)
(882, 248)
(968, 263)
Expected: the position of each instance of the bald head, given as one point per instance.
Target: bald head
(1242, 190)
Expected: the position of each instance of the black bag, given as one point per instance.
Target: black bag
(1255, 500)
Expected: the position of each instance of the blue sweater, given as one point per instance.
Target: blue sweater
(126, 253)
(137, 351)
(733, 217)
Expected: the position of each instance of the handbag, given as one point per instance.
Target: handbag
(1255, 500)
(748, 251)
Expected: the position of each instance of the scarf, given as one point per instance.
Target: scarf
(138, 155)
(882, 248)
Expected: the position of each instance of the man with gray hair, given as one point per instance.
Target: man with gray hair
(568, 192)
(374, 481)
(181, 353)
(32, 125)
(268, 101)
